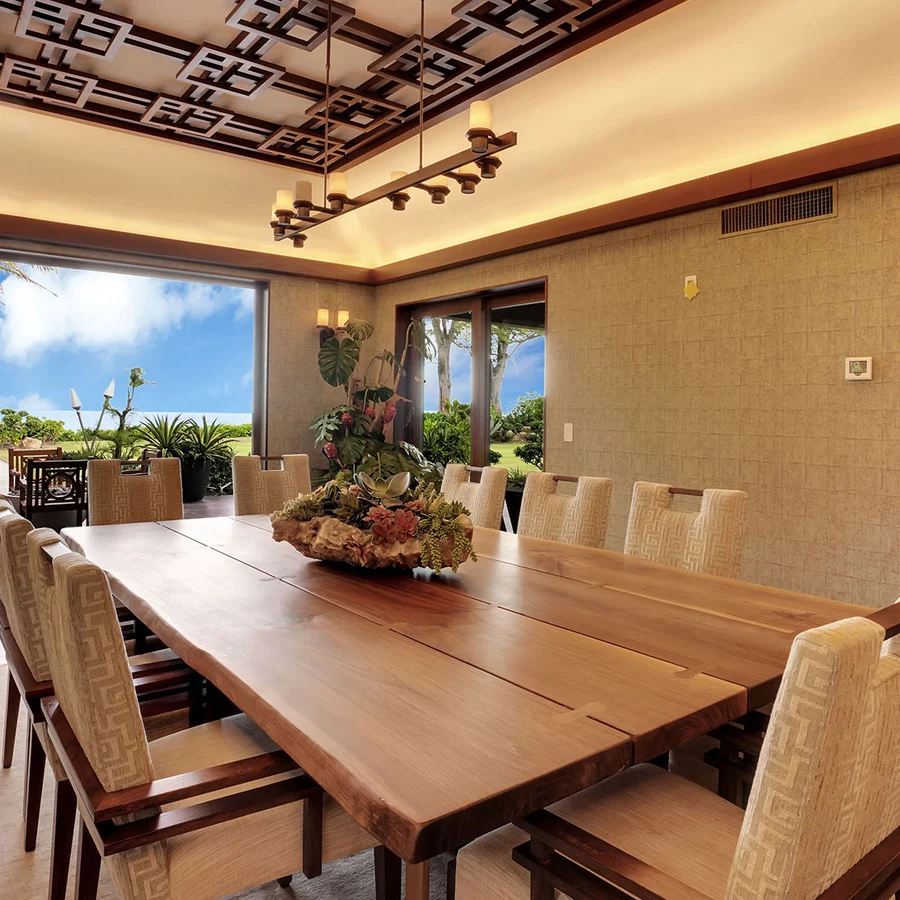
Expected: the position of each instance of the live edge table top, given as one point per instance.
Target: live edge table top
(434, 709)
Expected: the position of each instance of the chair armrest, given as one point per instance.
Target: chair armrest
(553, 836)
(888, 618)
(103, 805)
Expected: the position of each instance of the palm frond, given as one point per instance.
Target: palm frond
(16, 271)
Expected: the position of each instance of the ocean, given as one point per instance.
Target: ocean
(90, 417)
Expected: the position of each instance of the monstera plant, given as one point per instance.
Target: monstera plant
(355, 436)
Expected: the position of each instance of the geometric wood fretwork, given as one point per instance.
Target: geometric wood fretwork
(444, 66)
(281, 20)
(521, 20)
(38, 81)
(185, 117)
(353, 109)
(228, 72)
(305, 146)
(72, 26)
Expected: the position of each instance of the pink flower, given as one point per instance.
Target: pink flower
(407, 525)
(370, 412)
(347, 419)
(330, 450)
(390, 410)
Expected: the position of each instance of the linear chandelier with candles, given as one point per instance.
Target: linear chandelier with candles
(294, 213)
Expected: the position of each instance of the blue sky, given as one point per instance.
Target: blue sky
(194, 340)
(524, 374)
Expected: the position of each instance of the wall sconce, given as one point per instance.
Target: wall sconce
(323, 323)
(343, 317)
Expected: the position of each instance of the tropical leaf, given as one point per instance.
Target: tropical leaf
(374, 393)
(11, 268)
(359, 330)
(351, 449)
(326, 424)
(337, 360)
(162, 434)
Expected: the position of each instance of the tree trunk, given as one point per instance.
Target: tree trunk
(498, 369)
(444, 331)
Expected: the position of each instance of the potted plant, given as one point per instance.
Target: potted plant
(515, 489)
(201, 446)
(162, 434)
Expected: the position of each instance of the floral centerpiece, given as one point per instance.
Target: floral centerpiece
(377, 524)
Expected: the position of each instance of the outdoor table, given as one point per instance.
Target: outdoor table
(437, 708)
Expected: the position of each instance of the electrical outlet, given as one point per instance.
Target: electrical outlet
(568, 431)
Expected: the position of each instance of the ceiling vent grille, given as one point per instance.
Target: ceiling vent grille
(780, 210)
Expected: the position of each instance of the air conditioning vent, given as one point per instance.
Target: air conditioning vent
(780, 210)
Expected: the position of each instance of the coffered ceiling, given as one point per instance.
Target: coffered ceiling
(248, 76)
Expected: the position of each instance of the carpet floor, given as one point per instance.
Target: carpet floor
(23, 876)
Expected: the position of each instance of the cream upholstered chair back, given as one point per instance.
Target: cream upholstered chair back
(115, 498)
(708, 541)
(827, 786)
(20, 597)
(483, 499)
(259, 492)
(581, 518)
(40, 567)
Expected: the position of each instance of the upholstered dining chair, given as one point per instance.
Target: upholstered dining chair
(260, 492)
(156, 674)
(196, 815)
(116, 498)
(822, 821)
(484, 499)
(708, 541)
(579, 518)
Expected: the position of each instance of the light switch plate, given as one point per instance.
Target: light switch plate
(568, 431)
(691, 287)
(858, 368)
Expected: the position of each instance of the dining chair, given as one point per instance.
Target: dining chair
(18, 458)
(483, 498)
(708, 541)
(580, 518)
(158, 674)
(823, 819)
(259, 491)
(197, 815)
(116, 498)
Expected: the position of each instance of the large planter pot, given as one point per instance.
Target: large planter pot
(514, 505)
(194, 479)
(330, 539)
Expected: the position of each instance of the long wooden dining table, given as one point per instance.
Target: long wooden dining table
(437, 708)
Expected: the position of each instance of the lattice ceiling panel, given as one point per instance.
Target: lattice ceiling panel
(247, 75)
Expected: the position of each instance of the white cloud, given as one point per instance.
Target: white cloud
(94, 311)
(30, 402)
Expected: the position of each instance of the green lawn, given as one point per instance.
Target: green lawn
(241, 447)
(509, 460)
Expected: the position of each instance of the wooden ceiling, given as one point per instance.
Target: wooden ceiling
(247, 76)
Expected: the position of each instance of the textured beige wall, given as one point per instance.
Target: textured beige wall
(296, 390)
(742, 387)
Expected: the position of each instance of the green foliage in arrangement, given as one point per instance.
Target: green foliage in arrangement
(391, 510)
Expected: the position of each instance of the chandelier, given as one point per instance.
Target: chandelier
(294, 213)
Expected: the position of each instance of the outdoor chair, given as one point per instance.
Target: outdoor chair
(823, 819)
(708, 541)
(54, 487)
(17, 460)
(161, 678)
(117, 498)
(259, 491)
(580, 518)
(196, 815)
(484, 497)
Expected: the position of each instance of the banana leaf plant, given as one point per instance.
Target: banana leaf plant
(355, 436)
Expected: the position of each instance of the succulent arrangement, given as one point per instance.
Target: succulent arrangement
(378, 523)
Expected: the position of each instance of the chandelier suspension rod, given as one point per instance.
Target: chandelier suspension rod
(327, 102)
(422, 86)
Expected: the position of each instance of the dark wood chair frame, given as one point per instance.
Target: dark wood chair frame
(32, 498)
(561, 856)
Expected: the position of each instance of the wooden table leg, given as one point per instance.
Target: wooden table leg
(388, 874)
(12, 718)
(418, 880)
(34, 784)
(64, 811)
(87, 873)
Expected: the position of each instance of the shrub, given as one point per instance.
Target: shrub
(445, 438)
(527, 415)
(220, 479)
(531, 452)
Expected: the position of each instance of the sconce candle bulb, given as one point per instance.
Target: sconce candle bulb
(481, 126)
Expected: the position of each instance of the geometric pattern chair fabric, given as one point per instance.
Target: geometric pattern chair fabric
(96, 694)
(483, 499)
(115, 498)
(826, 790)
(258, 492)
(708, 541)
(580, 519)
